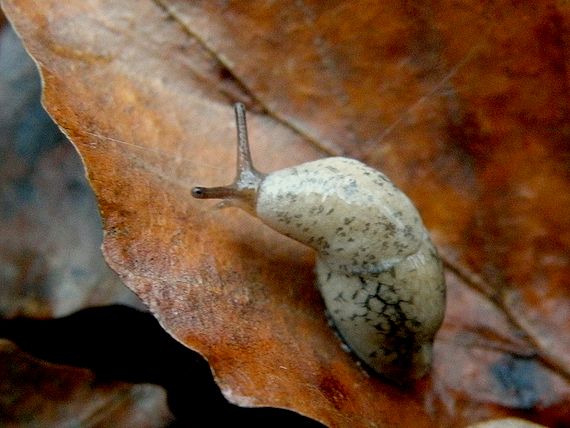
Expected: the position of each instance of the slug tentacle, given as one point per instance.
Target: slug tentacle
(243, 191)
(378, 271)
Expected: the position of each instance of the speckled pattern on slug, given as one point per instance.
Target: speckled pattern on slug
(378, 271)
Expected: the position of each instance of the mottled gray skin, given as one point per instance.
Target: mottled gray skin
(379, 273)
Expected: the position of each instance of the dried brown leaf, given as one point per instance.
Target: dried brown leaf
(463, 104)
(50, 235)
(36, 393)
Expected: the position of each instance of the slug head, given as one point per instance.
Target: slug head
(243, 191)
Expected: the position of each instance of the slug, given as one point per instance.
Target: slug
(378, 272)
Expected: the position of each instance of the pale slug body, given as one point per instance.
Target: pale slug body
(377, 270)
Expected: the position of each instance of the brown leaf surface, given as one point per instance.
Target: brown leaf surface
(51, 265)
(464, 104)
(50, 235)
